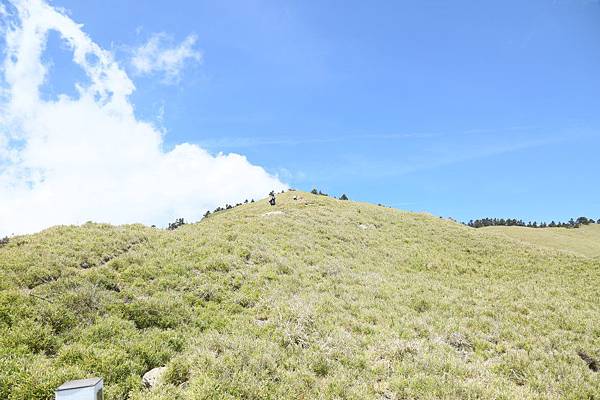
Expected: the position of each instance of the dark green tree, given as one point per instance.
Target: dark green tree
(583, 221)
(174, 225)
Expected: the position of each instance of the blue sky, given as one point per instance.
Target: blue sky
(463, 109)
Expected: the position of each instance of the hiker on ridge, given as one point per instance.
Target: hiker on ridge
(272, 198)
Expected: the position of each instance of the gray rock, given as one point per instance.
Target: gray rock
(153, 377)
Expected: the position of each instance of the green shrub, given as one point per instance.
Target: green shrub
(178, 371)
(164, 312)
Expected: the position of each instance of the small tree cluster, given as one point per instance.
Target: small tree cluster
(320, 193)
(572, 223)
(4, 241)
(226, 207)
(586, 221)
(174, 225)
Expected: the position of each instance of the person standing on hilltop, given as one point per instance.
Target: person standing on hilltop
(272, 198)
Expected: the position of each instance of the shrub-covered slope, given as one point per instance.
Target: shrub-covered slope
(314, 298)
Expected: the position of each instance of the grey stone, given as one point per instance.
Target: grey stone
(153, 377)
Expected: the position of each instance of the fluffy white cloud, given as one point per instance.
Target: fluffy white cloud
(158, 55)
(71, 160)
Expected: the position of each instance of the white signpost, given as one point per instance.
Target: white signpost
(83, 389)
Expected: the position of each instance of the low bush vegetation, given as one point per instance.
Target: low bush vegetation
(323, 299)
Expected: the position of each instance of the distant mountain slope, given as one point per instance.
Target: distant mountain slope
(314, 298)
(584, 241)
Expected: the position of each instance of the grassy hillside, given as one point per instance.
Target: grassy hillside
(312, 299)
(584, 241)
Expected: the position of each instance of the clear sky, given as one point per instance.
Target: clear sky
(464, 109)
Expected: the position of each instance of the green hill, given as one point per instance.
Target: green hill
(583, 241)
(314, 298)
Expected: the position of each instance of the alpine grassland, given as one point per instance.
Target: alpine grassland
(313, 298)
(584, 241)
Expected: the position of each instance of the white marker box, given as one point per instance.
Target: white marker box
(83, 389)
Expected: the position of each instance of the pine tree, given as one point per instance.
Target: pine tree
(174, 225)
(582, 220)
(343, 197)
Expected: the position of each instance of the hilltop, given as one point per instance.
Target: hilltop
(314, 298)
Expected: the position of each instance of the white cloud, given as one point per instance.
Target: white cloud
(159, 55)
(89, 158)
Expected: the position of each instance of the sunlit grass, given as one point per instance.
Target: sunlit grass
(323, 299)
(584, 241)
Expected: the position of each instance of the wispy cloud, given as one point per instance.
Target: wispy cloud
(242, 142)
(437, 158)
(468, 146)
(160, 55)
(89, 157)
